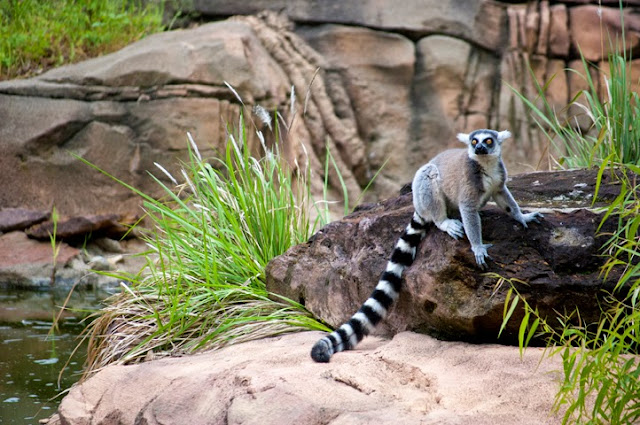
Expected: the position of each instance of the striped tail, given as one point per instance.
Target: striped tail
(347, 336)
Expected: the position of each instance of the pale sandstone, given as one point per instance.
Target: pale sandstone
(412, 379)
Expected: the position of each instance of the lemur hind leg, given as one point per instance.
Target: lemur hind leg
(430, 203)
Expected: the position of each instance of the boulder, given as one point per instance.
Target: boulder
(445, 294)
(125, 111)
(411, 379)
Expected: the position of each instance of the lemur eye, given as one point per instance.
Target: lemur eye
(489, 141)
(474, 142)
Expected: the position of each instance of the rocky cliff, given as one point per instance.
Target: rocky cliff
(393, 83)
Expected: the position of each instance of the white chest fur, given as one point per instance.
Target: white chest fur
(492, 177)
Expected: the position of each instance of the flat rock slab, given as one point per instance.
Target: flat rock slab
(411, 379)
(19, 218)
(78, 228)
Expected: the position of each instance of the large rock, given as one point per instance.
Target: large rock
(376, 69)
(445, 294)
(128, 110)
(477, 21)
(412, 379)
(125, 111)
(392, 83)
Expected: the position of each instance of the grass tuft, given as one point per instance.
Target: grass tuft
(614, 114)
(601, 367)
(212, 236)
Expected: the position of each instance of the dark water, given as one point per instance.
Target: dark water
(32, 356)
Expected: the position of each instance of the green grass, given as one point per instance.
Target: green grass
(600, 363)
(601, 367)
(614, 116)
(39, 34)
(210, 240)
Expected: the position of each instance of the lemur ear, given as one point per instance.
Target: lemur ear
(503, 135)
(464, 138)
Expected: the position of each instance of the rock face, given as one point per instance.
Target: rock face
(83, 244)
(444, 293)
(412, 379)
(392, 84)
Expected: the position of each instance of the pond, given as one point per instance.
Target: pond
(32, 356)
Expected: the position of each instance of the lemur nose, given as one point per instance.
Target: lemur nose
(481, 150)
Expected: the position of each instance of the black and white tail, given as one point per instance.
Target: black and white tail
(347, 336)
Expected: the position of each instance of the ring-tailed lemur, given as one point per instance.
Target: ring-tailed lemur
(460, 180)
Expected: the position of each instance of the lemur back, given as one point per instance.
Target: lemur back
(455, 181)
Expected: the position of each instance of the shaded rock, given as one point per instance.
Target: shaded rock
(84, 227)
(445, 294)
(19, 218)
(410, 379)
(564, 189)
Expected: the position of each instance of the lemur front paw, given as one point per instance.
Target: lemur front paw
(480, 252)
(529, 217)
(453, 227)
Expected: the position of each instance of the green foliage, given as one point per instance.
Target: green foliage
(38, 34)
(601, 368)
(615, 120)
(55, 248)
(211, 239)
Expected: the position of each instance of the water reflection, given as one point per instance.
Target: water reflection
(31, 358)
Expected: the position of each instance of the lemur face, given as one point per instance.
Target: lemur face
(484, 142)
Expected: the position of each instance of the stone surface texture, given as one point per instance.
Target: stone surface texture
(377, 84)
(412, 379)
(444, 293)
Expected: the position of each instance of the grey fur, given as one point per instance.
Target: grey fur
(464, 180)
(456, 180)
